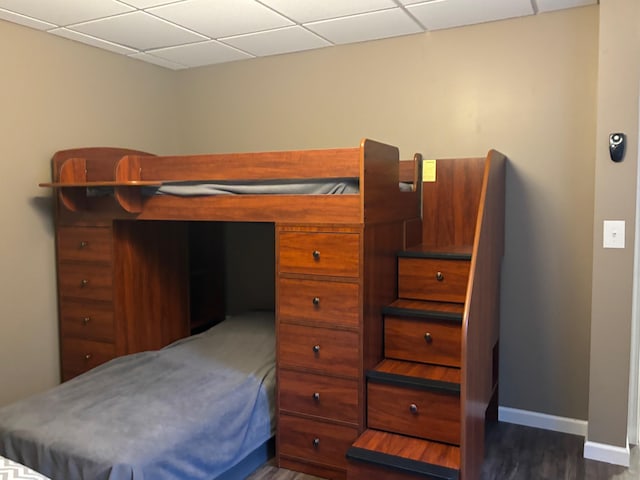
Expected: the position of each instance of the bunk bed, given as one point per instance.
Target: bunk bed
(140, 265)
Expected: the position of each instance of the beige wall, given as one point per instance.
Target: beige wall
(615, 199)
(57, 94)
(525, 86)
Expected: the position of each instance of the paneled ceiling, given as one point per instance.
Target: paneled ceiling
(180, 34)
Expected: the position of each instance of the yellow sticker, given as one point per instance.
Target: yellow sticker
(428, 170)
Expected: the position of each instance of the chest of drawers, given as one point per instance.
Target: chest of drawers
(319, 367)
(85, 288)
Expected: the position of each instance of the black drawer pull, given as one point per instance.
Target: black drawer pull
(316, 301)
(87, 356)
(316, 396)
(316, 255)
(86, 320)
(413, 408)
(316, 348)
(84, 244)
(428, 338)
(439, 276)
(84, 282)
(316, 442)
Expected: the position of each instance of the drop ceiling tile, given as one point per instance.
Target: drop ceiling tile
(366, 26)
(138, 30)
(145, 57)
(549, 5)
(221, 18)
(454, 13)
(314, 10)
(148, 3)
(96, 42)
(274, 42)
(198, 54)
(24, 20)
(65, 12)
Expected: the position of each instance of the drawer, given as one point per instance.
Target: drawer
(321, 302)
(90, 321)
(322, 349)
(435, 279)
(423, 340)
(336, 254)
(431, 415)
(314, 441)
(328, 397)
(78, 356)
(88, 244)
(81, 280)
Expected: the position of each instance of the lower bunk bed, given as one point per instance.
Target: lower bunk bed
(202, 408)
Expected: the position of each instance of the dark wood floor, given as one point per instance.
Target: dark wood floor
(514, 452)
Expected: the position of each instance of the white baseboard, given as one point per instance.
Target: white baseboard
(607, 453)
(543, 420)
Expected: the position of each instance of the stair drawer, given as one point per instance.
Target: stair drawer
(434, 279)
(423, 340)
(311, 394)
(431, 415)
(79, 356)
(322, 349)
(321, 302)
(313, 441)
(87, 320)
(319, 253)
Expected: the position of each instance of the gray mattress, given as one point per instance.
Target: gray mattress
(191, 410)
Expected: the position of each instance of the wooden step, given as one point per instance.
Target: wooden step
(430, 274)
(415, 399)
(378, 455)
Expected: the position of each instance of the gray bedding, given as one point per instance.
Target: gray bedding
(188, 411)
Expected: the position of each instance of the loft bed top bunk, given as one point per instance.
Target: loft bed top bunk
(117, 183)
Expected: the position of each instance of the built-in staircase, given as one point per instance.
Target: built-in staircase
(430, 396)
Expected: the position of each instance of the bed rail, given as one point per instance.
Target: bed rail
(375, 165)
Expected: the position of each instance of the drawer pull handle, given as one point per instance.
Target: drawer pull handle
(316, 301)
(428, 338)
(316, 255)
(439, 276)
(87, 356)
(316, 396)
(86, 320)
(84, 282)
(316, 348)
(84, 244)
(413, 408)
(316, 442)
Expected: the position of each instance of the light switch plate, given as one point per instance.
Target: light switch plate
(613, 234)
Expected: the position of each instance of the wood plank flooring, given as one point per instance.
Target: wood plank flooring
(514, 452)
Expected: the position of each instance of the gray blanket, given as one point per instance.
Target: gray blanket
(188, 411)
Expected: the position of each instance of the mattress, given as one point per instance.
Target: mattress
(189, 411)
(11, 470)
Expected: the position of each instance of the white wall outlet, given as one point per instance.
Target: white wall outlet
(613, 234)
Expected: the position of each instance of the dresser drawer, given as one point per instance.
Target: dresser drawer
(86, 281)
(88, 244)
(322, 253)
(423, 340)
(419, 413)
(322, 349)
(328, 397)
(78, 356)
(435, 279)
(321, 302)
(314, 441)
(90, 321)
